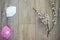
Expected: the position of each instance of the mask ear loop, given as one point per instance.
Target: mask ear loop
(7, 17)
(7, 23)
(6, 20)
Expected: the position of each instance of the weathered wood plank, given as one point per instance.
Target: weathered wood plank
(26, 20)
(26, 11)
(27, 31)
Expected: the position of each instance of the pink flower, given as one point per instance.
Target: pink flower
(6, 32)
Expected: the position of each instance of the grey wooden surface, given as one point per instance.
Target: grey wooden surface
(24, 24)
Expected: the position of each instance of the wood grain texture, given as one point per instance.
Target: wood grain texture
(26, 20)
(25, 25)
(27, 32)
